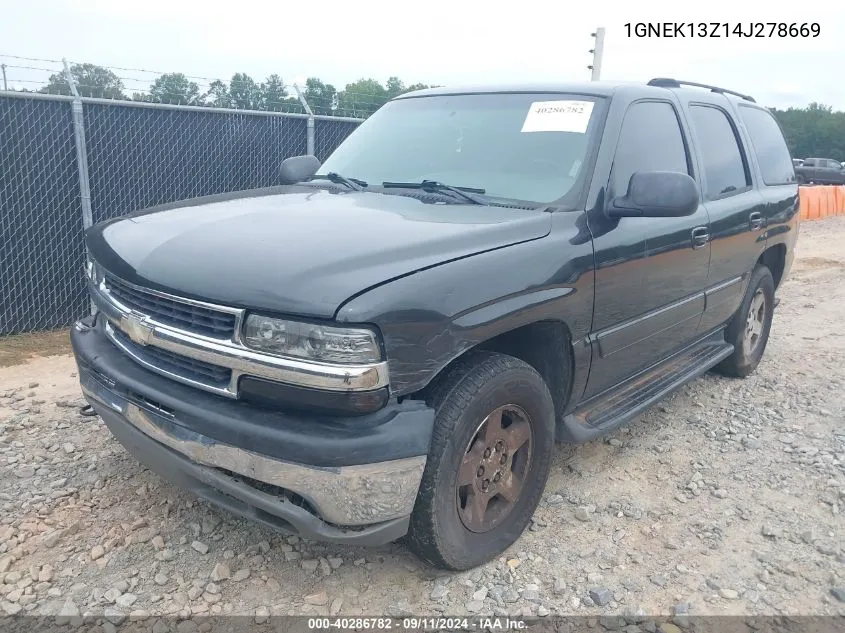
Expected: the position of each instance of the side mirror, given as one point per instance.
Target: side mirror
(298, 168)
(657, 194)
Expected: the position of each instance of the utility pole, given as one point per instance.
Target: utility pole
(597, 52)
(3, 66)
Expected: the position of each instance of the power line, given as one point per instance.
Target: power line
(32, 59)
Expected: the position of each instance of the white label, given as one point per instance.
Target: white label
(558, 116)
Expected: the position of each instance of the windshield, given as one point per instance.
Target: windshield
(520, 146)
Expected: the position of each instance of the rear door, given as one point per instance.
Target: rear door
(735, 207)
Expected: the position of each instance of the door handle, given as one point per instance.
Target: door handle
(755, 220)
(700, 236)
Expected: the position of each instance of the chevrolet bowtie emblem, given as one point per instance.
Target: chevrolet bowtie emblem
(136, 329)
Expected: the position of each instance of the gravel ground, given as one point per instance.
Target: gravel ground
(724, 499)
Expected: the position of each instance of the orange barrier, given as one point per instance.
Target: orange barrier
(822, 201)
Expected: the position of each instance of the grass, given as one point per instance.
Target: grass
(18, 349)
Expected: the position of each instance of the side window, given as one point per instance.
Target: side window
(769, 146)
(724, 167)
(650, 140)
(810, 162)
(832, 164)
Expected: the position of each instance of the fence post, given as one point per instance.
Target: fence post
(309, 133)
(81, 154)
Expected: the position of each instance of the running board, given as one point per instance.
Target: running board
(613, 408)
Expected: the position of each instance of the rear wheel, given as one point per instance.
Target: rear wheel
(749, 328)
(488, 463)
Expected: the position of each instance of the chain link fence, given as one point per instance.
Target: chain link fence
(134, 155)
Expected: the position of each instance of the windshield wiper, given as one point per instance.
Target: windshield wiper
(439, 187)
(352, 183)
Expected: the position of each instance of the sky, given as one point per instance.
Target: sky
(443, 42)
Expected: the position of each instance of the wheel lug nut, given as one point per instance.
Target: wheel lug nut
(503, 459)
(480, 472)
(487, 453)
(485, 485)
(497, 476)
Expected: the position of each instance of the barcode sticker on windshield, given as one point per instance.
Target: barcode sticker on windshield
(558, 116)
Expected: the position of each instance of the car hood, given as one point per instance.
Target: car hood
(301, 252)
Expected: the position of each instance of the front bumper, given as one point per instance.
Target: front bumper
(359, 485)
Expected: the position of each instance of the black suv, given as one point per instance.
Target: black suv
(392, 342)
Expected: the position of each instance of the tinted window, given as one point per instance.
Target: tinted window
(525, 146)
(769, 146)
(724, 169)
(650, 140)
(834, 164)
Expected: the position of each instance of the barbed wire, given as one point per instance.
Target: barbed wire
(241, 91)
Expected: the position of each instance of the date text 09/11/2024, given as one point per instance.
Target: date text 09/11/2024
(722, 29)
(425, 623)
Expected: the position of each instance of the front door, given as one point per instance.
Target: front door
(650, 272)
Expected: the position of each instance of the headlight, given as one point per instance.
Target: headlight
(93, 271)
(348, 346)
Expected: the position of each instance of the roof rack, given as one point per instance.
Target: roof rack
(665, 82)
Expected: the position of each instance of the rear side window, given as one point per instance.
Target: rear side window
(650, 140)
(724, 166)
(769, 146)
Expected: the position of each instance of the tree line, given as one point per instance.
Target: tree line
(816, 130)
(357, 99)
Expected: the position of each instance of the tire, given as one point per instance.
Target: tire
(749, 350)
(800, 179)
(464, 399)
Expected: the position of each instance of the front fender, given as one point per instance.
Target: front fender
(433, 316)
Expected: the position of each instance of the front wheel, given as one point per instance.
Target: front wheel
(749, 328)
(488, 463)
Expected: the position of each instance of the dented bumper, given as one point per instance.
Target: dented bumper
(333, 499)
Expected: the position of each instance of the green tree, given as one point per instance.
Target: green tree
(274, 94)
(320, 96)
(814, 131)
(218, 95)
(91, 81)
(244, 92)
(174, 88)
(413, 87)
(361, 98)
(394, 87)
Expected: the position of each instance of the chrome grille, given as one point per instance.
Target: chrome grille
(186, 316)
(189, 369)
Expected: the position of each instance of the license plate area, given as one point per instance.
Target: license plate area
(96, 390)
